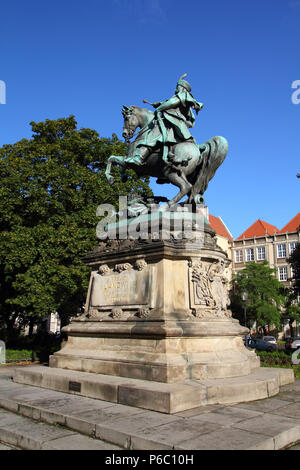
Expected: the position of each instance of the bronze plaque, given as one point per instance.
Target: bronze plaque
(75, 387)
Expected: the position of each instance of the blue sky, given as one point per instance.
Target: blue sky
(89, 58)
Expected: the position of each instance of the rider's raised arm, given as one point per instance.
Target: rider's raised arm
(169, 104)
(156, 104)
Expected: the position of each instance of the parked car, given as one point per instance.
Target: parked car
(261, 345)
(291, 344)
(246, 339)
(270, 339)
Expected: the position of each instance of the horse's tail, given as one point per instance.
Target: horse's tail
(212, 155)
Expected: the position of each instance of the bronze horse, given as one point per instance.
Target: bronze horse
(190, 167)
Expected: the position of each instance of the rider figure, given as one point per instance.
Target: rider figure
(172, 127)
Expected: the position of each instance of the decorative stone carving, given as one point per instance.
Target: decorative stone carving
(140, 264)
(143, 312)
(219, 289)
(202, 291)
(104, 269)
(116, 313)
(93, 313)
(210, 289)
(123, 267)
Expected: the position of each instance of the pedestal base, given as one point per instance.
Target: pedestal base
(157, 351)
(162, 397)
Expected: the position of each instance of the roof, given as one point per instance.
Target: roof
(259, 229)
(293, 225)
(218, 225)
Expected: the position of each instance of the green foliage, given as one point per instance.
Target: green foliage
(50, 187)
(278, 359)
(265, 294)
(18, 355)
(294, 260)
(292, 308)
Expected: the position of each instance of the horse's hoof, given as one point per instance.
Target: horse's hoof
(110, 179)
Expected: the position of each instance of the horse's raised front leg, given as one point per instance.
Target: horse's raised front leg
(118, 161)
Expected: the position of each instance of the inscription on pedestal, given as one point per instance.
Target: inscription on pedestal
(129, 287)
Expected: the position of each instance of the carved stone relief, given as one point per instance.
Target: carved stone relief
(210, 289)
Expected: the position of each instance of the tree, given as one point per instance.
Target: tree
(50, 187)
(292, 306)
(265, 294)
(294, 261)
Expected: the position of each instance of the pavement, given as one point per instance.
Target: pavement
(41, 419)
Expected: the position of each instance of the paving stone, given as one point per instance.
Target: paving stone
(176, 432)
(267, 405)
(269, 425)
(6, 447)
(240, 413)
(231, 439)
(108, 414)
(70, 404)
(146, 419)
(216, 418)
(292, 411)
(78, 442)
(292, 396)
(291, 387)
(198, 411)
(7, 418)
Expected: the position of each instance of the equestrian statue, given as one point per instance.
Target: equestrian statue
(164, 147)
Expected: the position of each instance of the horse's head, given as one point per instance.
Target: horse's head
(131, 122)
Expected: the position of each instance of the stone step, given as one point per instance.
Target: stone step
(267, 424)
(7, 447)
(17, 431)
(156, 396)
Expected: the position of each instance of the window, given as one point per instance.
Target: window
(238, 256)
(281, 250)
(249, 254)
(282, 273)
(292, 247)
(261, 253)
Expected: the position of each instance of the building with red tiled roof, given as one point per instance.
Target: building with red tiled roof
(293, 225)
(263, 241)
(218, 225)
(259, 229)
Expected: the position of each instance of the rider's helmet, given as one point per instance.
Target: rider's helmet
(184, 83)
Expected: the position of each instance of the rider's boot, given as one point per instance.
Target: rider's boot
(141, 155)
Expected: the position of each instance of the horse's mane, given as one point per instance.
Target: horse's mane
(142, 109)
(146, 112)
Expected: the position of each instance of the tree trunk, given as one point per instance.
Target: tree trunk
(31, 325)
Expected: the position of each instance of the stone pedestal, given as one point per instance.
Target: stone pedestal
(158, 311)
(157, 324)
